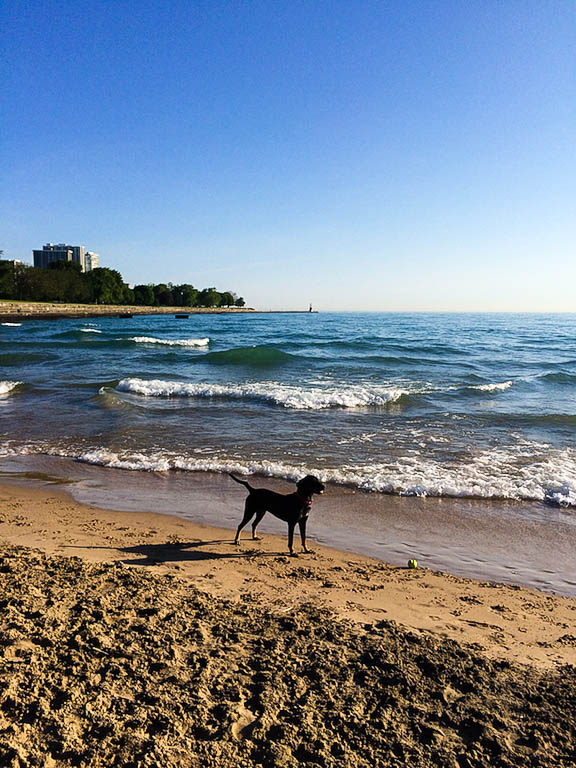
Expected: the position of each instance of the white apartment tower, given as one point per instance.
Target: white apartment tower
(92, 261)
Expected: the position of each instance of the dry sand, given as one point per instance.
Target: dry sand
(146, 640)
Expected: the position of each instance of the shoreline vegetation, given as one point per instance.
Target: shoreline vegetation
(65, 282)
(141, 639)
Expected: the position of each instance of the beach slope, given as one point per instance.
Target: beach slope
(177, 649)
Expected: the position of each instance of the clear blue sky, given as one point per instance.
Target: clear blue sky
(367, 154)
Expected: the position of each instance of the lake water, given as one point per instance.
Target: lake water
(445, 405)
(445, 437)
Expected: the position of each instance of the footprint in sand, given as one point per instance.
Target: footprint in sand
(245, 718)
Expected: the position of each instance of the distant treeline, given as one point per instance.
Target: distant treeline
(64, 281)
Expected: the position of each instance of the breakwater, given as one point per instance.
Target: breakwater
(37, 310)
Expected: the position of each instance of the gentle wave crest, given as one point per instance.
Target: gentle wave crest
(170, 342)
(8, 386)
(288, 396)
(254, 356)
(12, 325)
(560, 378)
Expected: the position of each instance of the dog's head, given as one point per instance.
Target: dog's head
(309, 485)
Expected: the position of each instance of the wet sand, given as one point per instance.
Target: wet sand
(505, 621)
(143, 639)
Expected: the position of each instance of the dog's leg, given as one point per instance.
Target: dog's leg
(259, 516)
(248, 515)
(291, 527)
(302, 526)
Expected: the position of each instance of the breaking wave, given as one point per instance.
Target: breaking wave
(8, 386)
(286, 395)
(491, 387)
(170, 342)
(289, 395)
(500, 474)
(494, 475)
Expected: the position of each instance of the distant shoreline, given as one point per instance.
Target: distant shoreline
(38, 310)
(13, 311)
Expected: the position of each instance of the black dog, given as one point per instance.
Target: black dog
(291, 507)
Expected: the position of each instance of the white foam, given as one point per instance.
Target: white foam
(491, 475)
(160, 462)
(90, 330)
(494, 474)
(170, 342)
(8, 386)
(367, 437)
(497, 474)
(286, 395)
(13, 325)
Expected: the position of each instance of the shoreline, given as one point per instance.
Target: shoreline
(146, 639)
(506, 542)
(11, 311)
(14, 311)
(503, 621)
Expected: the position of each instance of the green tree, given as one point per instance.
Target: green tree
(240, 302)
(163, 295)
(7, 280)
(144, 295)
(127, 294)
(189, 295)
(209, 297)
(55, 284)
(108, 287)
(226, 299)
(66, 266)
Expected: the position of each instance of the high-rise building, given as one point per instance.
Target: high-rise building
(92, 260)
(78, 255)
(60, 252)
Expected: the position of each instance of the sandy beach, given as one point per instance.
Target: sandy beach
(146, 639)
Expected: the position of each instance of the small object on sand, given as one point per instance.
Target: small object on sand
(412, 563)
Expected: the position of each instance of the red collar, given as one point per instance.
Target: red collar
(308, 502)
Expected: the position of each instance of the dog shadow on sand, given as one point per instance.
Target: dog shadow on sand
(184, 551)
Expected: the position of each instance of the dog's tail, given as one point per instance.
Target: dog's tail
(242, 482)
